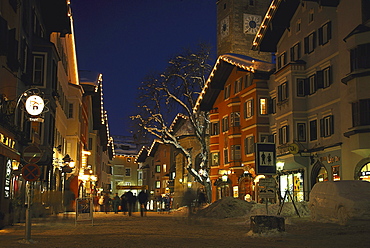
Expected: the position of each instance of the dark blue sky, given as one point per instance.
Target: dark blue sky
(127, 39)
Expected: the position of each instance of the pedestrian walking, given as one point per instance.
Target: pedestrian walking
(107, 202)
(143, 199)
(124, 204)
(116, 203)
(130, 202)
(101, 203)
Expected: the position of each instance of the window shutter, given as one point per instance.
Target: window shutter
(3, 36)
(280, 136)
(12, 51)
(320, 36)
(269, 105)
(329, 30)
(330, 75)
(252, 107)
(287, 90)
(279, 93)
(314, 40)
(287, 134)
(306, 44)
(332, 124)
(321, 127)
(252, 144)
(320, 79)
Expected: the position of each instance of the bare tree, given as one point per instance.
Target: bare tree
(163, 96)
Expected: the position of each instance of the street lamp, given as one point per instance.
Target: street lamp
(224, 178)
(68, 164)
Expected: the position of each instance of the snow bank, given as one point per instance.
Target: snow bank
(229, 207)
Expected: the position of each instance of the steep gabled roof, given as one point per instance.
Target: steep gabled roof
(221, 72)
(275, 22)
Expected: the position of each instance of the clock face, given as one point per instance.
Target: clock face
(224, 25)
(251, 23)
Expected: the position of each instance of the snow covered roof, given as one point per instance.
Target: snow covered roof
(90, 77)
(220, 73)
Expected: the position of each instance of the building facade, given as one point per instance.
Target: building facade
(321, 90)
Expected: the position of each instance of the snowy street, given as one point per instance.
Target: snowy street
(176, 230)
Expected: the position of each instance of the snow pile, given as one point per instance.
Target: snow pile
(288, 209)
(267, 233)
(227, 207)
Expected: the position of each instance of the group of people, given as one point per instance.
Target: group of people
(127, 202)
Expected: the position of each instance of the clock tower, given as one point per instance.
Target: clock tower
(237, 23)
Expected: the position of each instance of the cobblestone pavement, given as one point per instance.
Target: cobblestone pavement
(176, 230)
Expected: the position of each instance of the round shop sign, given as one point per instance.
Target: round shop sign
(34, 105)
(31, 172)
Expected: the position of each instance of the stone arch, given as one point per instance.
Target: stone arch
(359, 166)
(315, 172)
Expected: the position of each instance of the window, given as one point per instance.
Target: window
(310, 43)
(301, 131)
(284, 135)
(226, 155)
(227, 91)
(249, 145)
(283, 92)
(325, 33)
(215, 158)
(238, 85)
(128, 172)
(300, 87)
(248, 79)
(282, 61)
(215, 128)
(361, 113)
(327, 126)
(327, 77)
(225, 124)
(38, 69)
(251, 2)
(263, 106)
(157, 184)
(310, 16)
(70, 110)
(295, 52)
(313, 130)
(267, 138)
(248, 108)
(164, 168)
(235, 119)
(157, 168)
(298, 26)
(235, 153)
(359, 57)
(312, 84)
(324, 78)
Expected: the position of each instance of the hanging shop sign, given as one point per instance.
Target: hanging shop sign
(35, 105)
(265, 158)
(8, 173)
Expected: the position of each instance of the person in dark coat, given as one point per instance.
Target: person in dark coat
(124, 204)
(107, 202)
(143, 199)
(130, 202)
(116, 203)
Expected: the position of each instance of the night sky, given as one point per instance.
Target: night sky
(128, 39)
